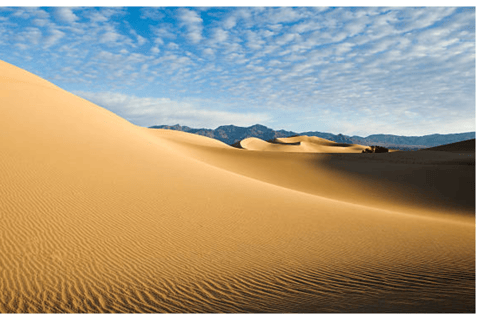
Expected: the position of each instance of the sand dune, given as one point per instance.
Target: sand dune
(467, 146)
(424, 183)
(98, 215)
(304, 144)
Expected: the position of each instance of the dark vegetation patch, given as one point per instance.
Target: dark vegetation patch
(375, 149)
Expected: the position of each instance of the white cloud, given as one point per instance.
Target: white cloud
(254, 40)
(140, 40)
(219, 35)
(356, 26)
(55, 36)
(151, 13)
(382, 45)
(173, 46)
(230, 22)
(284, 14)
(237, 58)
(29, 12)
(192, 21)
(285, 38)
(109, 36)
(306, 26)
(173, 62)
(209, 51)
(41, 22)
(30, 35)
(96, 16)
(162, 33)
(65, 15)
(151, 111)
(421, 18)
(21, 46)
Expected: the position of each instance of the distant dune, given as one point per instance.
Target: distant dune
(300, 144)
(463, 146)
(99, 215)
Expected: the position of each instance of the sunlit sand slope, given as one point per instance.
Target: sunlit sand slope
(426, 183)
(300, 144)
(98, 215)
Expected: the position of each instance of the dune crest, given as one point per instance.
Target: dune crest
(304, 144)
(99, 215)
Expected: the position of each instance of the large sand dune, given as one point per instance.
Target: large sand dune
(98, 215)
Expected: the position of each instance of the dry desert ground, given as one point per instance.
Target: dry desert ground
(100, 215)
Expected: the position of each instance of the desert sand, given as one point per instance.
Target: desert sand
(303, 144)
(99, 215)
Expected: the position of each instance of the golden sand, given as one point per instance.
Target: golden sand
(99, 215)
(303, 144)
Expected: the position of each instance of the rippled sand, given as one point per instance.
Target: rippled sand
(99, 215)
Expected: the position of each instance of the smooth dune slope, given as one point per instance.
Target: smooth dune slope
(304, 144)
(98, 215)
(438, 184)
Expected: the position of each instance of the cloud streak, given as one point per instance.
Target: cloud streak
(145, 110)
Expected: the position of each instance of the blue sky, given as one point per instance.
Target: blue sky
(406, 71)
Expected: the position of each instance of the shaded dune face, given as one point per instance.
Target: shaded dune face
(98, 215)
(467, 146)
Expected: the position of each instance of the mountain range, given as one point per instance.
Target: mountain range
(231, 134)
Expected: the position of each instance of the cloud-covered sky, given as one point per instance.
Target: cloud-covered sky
(407, 71)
